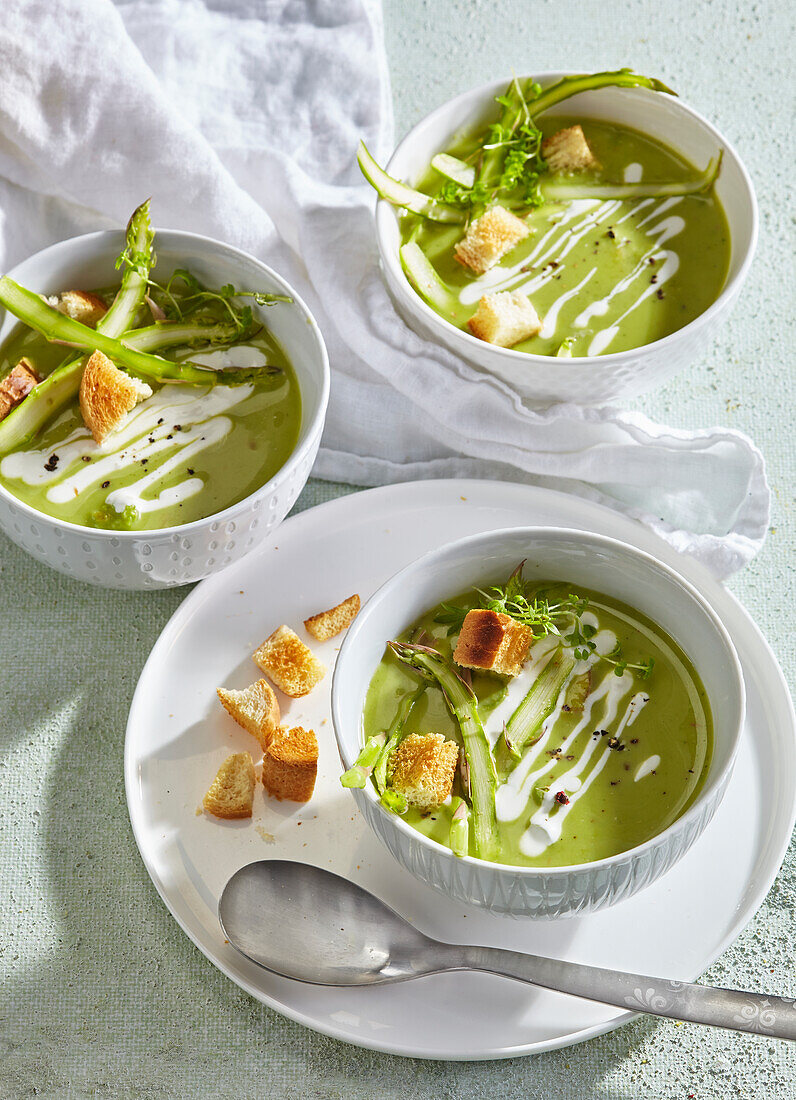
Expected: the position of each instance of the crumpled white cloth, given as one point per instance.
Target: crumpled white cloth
(241, 119)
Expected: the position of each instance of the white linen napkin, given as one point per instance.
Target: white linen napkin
(242, 123)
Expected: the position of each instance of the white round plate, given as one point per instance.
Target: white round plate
(178, 734)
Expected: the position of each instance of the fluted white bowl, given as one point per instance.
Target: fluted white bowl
(587, 380)
(585, 560)
(172, 556)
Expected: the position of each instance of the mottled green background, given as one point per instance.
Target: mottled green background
(102, 995)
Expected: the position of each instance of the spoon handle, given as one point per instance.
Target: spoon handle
(760, 1013)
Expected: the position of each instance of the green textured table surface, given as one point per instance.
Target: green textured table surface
(101, 993)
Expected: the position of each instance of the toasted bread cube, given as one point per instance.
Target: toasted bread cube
(492, 641)
(231, 793)
(107, 395)
(16, 386)
(290, 664)
(489, 238)
(290, 764)
(422, 769)
(505, 319)
(256, 708)
(568, 151)
(80, 305)
(578, 689)
(326, 624)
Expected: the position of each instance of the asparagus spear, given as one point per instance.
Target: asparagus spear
(399, 194)
(572, 85)
(30, 308)
(168, 334)
(62, 384)
(357, 774)
(538, 703)
(460, 827)
(423, 276)
(515, 111)
(462, 702)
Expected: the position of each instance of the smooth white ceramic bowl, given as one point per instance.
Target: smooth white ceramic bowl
(540, 378)
(588, 561)
(175, 555)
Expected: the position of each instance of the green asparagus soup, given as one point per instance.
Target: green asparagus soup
(599, 742)
(186, 452)
(558, 234)
(604, 275)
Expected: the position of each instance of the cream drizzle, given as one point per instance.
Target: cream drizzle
(567, 229)
(198, 411)
(645, 769)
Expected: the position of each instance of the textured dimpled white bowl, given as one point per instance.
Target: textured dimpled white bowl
(175, 555)
(540, 378)
(585, 560)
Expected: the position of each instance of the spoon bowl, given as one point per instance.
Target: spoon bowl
(306, 923)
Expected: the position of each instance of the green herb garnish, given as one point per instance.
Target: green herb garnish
(519, 600)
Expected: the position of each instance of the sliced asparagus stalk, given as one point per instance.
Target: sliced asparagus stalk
(421, 274)
(30, 308)
(538, 703)
(463, 704)
(394, 737)
(460, 827)
(357, 775)
(399, 194)
(563, 190)
(572, 85)
(515, 111)
(454, 169)
(168, 334)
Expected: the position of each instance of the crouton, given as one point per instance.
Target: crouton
(289, 663)
(326, 624)
(16, 386)
(290, 764)
(255, 708)
(505, 319)
(489, 238)
(577, 691)
(231, 793)
(568, 151)
(422, 769)
(107, 395)
(492, 641)
(80, 305)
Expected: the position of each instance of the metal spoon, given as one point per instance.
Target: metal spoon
(306, 923)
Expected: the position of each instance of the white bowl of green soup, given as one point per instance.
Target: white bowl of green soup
(214, 456)
(583, 253)
(537, 721)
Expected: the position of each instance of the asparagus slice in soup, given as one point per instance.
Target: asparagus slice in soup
(433, 667)
(537, 705)
(395, 735)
